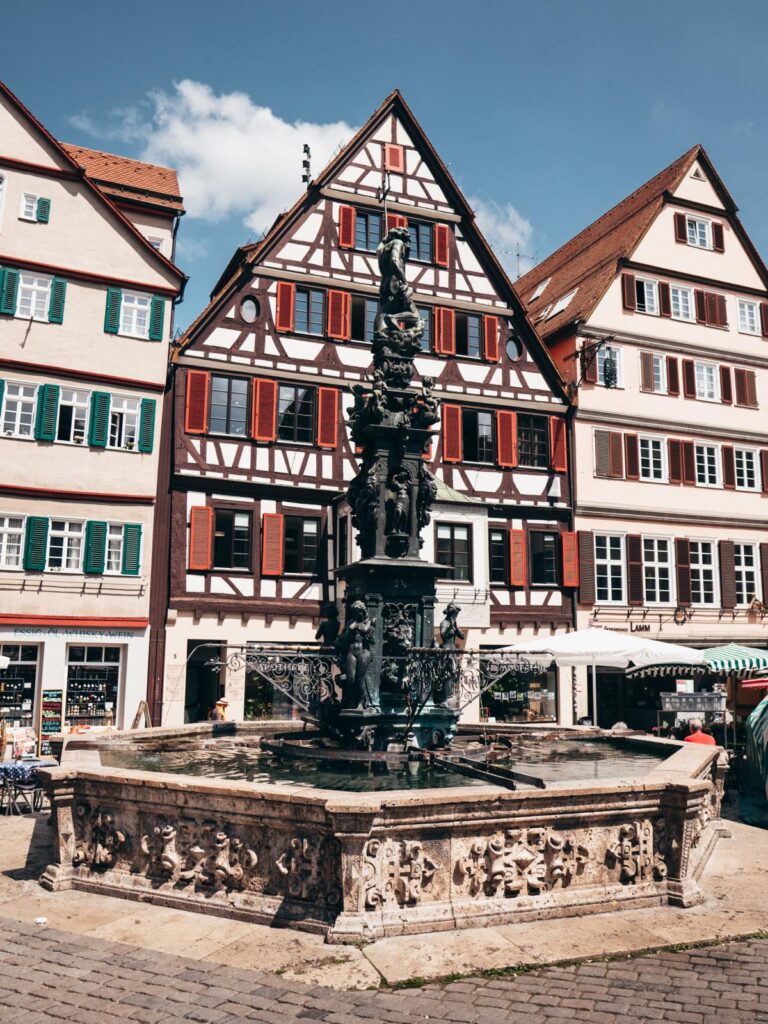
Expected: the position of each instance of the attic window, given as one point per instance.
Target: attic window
(698, 174)
(561, 304)
(540, 289)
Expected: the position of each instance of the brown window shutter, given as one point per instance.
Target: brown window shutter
(718, 242)
(338, 315)
(729, 468)
(492, 348)
(700, 302)
(264, 410)
(570, 552)
(665, 299)
(727, 574)
(394, 158)
(272, 537)
(586, 567)
(327, 417)
(740, 378)
(646, 371)
(681, 229)
(558, 448)
(396, 220)
(442, 238)
(689, 378)
(764, 569)
(683, 571)
(286, 293)
(602, 453)
(518, 569)
(633, 456)
(764, 474)
(200, 538)
(616, 453)
(588, 367)
(347, 218)
(675, 461)
(452, 446)
(196, 413)
(635, 569)
(726, 389)
(628, 293)
(751, 389)
(445, 332)
(506, 438)
(721, 316)
(689, 463)
(764, 318)
(673, 376)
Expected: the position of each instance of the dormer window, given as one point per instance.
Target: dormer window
(561, 304)
(540, 289)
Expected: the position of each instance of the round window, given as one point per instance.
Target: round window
(514, 348)
(249, 310)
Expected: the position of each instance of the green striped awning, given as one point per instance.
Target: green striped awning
(735, 658)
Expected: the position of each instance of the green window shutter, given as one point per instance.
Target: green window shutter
(9, 291)
(95, 547)
(56, 305)
(47, 408)
(156, 317)
(43, 211)
(146, 424)
(131, 549)
(36, 543)
(98, 428)
(112, 314)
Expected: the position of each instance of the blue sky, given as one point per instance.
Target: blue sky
(546, 113)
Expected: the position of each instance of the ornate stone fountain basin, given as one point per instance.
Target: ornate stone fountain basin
(359, 866)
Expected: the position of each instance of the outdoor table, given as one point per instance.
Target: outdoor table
(23, 771)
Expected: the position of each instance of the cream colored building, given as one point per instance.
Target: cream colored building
(87, 287)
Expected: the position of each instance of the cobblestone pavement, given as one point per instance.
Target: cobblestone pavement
(48, 975)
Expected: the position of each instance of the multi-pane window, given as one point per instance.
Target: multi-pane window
(746, 469)
(34, 297)
(309, 310)
(647, 296)
(657, 569)
(28, 209)
(477, 435)
(123, 421)
(11, 532)
(114, 554)
(363, 317)
(229, 405)
(232, 540)
(682, 303)
(702, 572)
(421, 241)
(609, 568)
(72, 415)
(19, 409)
(302, 545)
(367, 230)
(707, 382)
(749, 317)
(454, 549)
(544, 560)
(698, 232)
(425, 312)
(65, 544)
(468, 337)
(652, 458)
(609, 368)
(134, 315)
(296, 414)
(659, 365)
(497, 556)
(532, 440)
(707, 465)
(745, 567)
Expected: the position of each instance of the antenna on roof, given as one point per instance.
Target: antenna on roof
(305, 165)
(382, 194)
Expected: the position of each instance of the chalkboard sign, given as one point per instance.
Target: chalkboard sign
(51, 720)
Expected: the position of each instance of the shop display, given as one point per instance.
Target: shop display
(93, 675)
(17, 685)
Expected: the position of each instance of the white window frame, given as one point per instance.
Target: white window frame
(121, 406)
(114, 549)
(754, 458)
(650, 289)
(80, 400)
(655, 564)
(618, 354)
(740, 572)
(156, 242)
(694, 239)
(676, 291)
(561, 304)
(715, 602)
(73, 530)
(6, 532)
(609, 562)
(661, 362)
(3, 190)
(743, 306)
(539, 290)
(131, 303)
(716, 461)
(28, 198)
(651, 439)
(20, 402)
(701, 369)
(39, 285)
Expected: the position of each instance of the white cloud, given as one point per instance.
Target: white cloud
(505, 229)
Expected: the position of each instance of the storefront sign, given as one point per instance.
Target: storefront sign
(51, 719)
(77, 633)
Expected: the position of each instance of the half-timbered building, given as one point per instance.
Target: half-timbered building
(263, 456)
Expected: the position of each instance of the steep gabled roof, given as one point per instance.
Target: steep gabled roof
(249, 255)
(123, 178)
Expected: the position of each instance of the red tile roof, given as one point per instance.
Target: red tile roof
(122, 178)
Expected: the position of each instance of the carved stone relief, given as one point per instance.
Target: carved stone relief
(520, 862)
(396, 871)
(633, 853)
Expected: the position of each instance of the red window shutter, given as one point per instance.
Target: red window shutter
(602, 453)
(727, 574)
(586, 567)
(683, 570)
(711, 309)
(689, 463)
(721, 316)
(628, 293)
(347, 217)
(689, 378)
(665, 299)
(286, 294)
(673, 376)
(441, 244)
(445, 332)
(764, 318)
(506, 438)
(396, 220)
(741, 386)
(272, 535)
(452, 446)
(327, 417)
(394, 158)
(718, 238)
(764, 473)
(729, 468)
(570, 559)
(264, 410)
(633, 456)
(338, 315)
(518, 569)
(726, 388)
(635, 569)
(646, 371)
(491, 338)
(200, 537)
(764, 568)
(751, 389)
(700, 302)
(588, 366)
(558, 448)
(616, 455)
(681, 228)
(675, 461)
(196, 415)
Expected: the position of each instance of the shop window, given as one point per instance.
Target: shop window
(302, 545)
(498, 558)
(532, 700)
(454, 549)
(296, 414)
(232, 540)
(532, 440)
(229, 405)
(17, 685)
(93, 677)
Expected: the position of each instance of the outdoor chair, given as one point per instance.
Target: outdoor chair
(27, 795)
